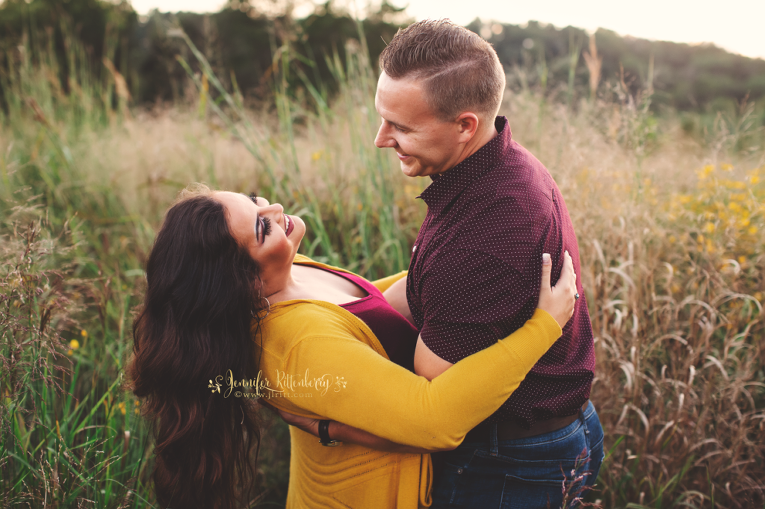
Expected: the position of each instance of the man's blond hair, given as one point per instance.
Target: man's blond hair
(460, 71)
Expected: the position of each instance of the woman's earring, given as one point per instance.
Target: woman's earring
(269, 306)
(267, 312)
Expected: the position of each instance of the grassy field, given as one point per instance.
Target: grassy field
(671, 229)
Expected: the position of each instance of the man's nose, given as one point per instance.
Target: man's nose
(383, 140)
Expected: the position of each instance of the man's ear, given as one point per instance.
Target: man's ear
(468, 123)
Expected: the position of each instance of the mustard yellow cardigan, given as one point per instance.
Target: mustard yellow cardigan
(320, 361)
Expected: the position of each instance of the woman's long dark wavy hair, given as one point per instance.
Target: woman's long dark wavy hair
(202, 292)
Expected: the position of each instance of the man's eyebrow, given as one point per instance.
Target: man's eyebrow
(401, 126)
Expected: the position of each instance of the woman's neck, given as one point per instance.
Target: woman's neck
(306, 282)
(281, 286)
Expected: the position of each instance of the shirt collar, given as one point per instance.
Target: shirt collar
(449, 184)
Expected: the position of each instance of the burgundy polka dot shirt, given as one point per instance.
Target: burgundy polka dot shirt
(476, 270)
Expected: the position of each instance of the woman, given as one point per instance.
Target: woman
(226, 290)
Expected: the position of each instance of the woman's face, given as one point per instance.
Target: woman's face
(271, 236)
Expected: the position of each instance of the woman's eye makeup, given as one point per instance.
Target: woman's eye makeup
(263, 225)
(266, 227)
(262, 228)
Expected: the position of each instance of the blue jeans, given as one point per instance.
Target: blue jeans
(526, 473)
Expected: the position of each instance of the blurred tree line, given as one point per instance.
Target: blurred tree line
(683, 76)
(242, 40)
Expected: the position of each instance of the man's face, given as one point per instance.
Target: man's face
(425, 145)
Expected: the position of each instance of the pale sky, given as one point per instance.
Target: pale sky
(736, 25)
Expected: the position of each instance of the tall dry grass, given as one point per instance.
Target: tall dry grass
(671, 231)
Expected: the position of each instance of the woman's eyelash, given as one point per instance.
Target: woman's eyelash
(254, 197)
(266, 226)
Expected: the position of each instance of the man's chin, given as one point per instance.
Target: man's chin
(410, 170)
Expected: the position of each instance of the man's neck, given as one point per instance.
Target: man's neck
(485, 138)
(476, 143)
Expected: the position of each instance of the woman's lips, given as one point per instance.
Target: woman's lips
(290, 227)
(402, 156)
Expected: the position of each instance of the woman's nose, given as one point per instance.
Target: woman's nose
(274, 207)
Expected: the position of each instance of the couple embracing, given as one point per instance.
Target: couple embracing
(462, 382)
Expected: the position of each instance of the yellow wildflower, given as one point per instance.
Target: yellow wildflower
(706, 172)
(752, 230)
(69, 352)
(122, 407)
(741, 260)
(672, 239)
(84, 333)
(74, 344)
(726, 167)
(709, 227)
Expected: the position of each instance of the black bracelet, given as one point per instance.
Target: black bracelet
(324, 434)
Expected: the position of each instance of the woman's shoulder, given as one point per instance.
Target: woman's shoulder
(292, 322)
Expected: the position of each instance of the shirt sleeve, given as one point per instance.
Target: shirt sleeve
(470, 299)
(392, 402)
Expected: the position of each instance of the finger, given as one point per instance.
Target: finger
(570, 261)
(546, 270)
(567, 273)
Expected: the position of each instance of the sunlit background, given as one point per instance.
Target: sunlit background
(658, 147)
(737, 27)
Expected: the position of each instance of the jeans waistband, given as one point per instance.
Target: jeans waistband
(509, 430)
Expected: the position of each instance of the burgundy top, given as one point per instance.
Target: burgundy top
(476, 270)
(396, 334)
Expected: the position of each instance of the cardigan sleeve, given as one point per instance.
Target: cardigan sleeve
(385, 283)
(385, 399)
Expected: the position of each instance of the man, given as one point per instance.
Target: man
(493, 209)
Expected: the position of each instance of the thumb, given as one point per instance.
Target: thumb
(546, 270)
